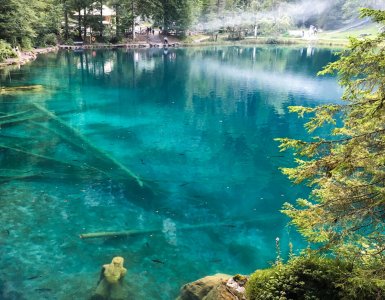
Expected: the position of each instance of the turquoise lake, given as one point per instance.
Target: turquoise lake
(177, 145)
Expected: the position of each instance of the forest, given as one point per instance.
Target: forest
(40, 23)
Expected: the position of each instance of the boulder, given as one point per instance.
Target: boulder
(216, 287)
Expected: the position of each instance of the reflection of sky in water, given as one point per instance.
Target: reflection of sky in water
(197, 125)
(319, 89)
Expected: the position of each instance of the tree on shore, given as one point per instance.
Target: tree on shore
(345, 211)
(344, 215)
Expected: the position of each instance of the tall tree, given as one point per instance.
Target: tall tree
(346, 171)
(66, 12)
(173, 13)
(16, 21)
(81, 7)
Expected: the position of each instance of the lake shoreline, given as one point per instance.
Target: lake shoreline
(25, 57)
(29, 56)
(272, 41)
(250, 41)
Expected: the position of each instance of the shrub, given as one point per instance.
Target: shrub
(26, 43)
(102, 39)
(272, 41)
(311, 278)
(50, 39)
(114, 40)
(68, 41)
(6, 51)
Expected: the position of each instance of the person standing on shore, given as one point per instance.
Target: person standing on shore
(17, 51)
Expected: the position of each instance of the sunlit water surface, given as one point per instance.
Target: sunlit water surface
(180, 143)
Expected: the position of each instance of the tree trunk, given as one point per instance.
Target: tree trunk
(133, 19)
(101, 18)
(165, 6)
(66, 33)
(84, 25)
(220, 6)
(79, 23)
(117, 21)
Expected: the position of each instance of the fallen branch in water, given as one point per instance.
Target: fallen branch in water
(112, 234)
(20, 119)
(4, 179)
(103, 155)
(117, 233)
(7, 116)
(47, 158)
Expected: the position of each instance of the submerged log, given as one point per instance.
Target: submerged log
(117, 233)
(112, 234)
(20, 118)
(103, 155)
(7, 116)
(20, 177)
(21, 89)
(44, 157)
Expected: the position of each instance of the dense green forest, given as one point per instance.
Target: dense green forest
(39, 23)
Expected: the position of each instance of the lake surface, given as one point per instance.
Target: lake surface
(176, 145)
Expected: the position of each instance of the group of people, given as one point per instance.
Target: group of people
(150, 30)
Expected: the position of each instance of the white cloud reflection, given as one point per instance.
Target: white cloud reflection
(319, 89)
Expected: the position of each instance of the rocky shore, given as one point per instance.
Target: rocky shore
(26, 56)
(216, 287)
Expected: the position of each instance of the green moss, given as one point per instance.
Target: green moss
(313, 277)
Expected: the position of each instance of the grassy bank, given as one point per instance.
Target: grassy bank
(269, 41)
(335, 38)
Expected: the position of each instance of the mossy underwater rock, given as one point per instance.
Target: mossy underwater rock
(110, 285)
(216, 287)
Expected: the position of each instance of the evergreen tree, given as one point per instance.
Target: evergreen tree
(16, 22)
(346, 208)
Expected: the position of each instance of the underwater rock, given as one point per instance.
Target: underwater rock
(216, 287)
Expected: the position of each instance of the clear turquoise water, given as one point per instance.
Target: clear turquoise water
(195, 125)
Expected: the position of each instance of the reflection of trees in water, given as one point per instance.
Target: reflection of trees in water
(247, 70)
(180, 76)
(217, 106)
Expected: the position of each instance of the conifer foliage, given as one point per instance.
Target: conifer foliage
(346, 208)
